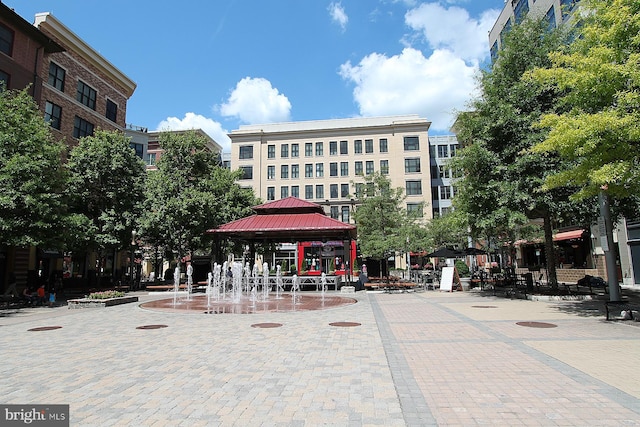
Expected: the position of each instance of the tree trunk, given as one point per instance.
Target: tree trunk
(550, 252)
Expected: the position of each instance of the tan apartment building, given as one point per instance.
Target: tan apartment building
(324, 161)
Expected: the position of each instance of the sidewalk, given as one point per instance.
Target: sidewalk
(431, 358)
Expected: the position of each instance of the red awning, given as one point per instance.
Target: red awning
(568, 235)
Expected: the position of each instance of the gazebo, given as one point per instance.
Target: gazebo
(289, 220)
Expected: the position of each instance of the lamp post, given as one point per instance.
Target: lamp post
(133, 242)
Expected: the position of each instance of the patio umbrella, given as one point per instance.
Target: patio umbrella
(444, 253)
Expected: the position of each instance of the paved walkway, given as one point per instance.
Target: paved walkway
(417, 359)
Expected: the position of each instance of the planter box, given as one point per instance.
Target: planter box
(92, 303)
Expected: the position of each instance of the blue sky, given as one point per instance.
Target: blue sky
(217, 64)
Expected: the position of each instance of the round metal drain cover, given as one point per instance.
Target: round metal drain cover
(345, 324)
(537, 324)
(484, 306)
(45, 328)
(151, 327)
(266, 325)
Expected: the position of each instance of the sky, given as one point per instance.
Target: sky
(217, 65)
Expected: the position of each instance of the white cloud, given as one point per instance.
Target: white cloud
(452, 28)
(254, 101)
(338, 15)
(196, 121)
(410, 83)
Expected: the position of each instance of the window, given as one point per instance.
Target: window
(308, 149)
(445, 192)
(415, 209)
(112, 111)
(412, 165)
(320, 191)
(319, 170)
(411, 143)
(443, 172)
(333, 191)
(81, 128)
(295, 171)
(151, 159)
(247, 172)
(345, 214)
(551, 18)
(284, 151)
(284, 171)
(246, 152)
(333, 169)
(344, 190)
(295, 191)
(86, 95)
(520, 10)
(383, 145)
(53, 114)
(295, 150)
(432, 151)
(384, 167)
(308, 192)
(335, 212)
(138, 148)
(344, 168)
(6, 40)
(333, 148)
(358, 168)
(434, 172)
(453, 148)
(308, 170)
(443, 151)
(359, 189)
(413, 188)
(494, 49)
(344, 147)
(271, 151)
(271, 172)
(368, 146)
(369, 167)
(56, 76)
(284, 192)
(357, 146)
(319, 149)
(271, 193)
(4, 80)
(435, 195)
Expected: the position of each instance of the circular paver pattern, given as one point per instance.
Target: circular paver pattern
(285, 303)
(266, 325)
(45, 328)
(151, 327)
(345, 324)
(537, 324)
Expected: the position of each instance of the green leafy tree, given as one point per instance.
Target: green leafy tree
(32, 206)
(598, 131)
(188, 194)
(105, 191)
(505, 178)
(381, 219)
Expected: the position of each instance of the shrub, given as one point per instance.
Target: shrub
(463, 269)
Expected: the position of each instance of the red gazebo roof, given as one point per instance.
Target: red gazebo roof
(287, 220)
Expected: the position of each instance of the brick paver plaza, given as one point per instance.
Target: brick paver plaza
(416, 359)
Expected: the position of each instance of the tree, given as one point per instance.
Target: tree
(509, 177)
(598, 131)
(188, 194)
(380, 219)
(105, 191)
(32, 206)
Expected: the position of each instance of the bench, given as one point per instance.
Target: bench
(618, 306)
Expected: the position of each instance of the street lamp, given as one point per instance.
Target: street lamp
(133, 242)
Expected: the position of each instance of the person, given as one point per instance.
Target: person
(229, 273)
(28, 296)
(11, 286)
(40, 295)
(52, 295)
(362, 279)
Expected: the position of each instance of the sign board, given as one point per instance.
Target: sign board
(446, 280)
